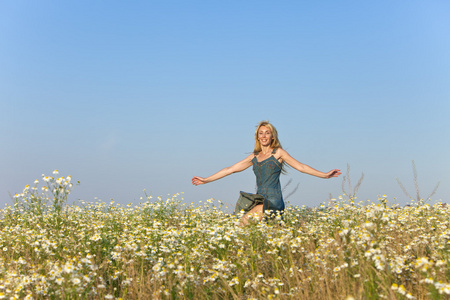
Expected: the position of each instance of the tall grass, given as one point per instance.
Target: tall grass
(167, 249)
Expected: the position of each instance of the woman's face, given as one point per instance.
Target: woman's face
(264, 136)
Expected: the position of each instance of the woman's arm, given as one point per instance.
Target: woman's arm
(237, 167)
(305, 168)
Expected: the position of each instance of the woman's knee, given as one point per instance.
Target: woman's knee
(257, 210)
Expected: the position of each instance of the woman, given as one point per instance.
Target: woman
(267, 159)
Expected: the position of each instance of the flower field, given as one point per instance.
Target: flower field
(167, 249)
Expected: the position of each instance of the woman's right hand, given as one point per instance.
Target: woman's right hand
(198, 180)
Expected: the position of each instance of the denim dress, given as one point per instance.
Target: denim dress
(268, 182)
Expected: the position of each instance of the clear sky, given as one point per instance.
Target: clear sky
(133, 95)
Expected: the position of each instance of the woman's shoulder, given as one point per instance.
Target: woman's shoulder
(251, 156)
(279, 151)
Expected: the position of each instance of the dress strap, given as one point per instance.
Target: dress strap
(274, 150)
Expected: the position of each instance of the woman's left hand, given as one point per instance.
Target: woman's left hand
(196, 180)
(333, 173)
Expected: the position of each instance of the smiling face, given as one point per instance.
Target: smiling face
(265, 136)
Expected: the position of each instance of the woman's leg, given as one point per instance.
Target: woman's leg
(258, 210)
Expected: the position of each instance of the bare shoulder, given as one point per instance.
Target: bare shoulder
(281, 153)
(250, 157)
(241, 165)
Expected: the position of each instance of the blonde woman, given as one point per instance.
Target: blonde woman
(267, 159)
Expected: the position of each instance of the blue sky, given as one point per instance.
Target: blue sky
(144, 95)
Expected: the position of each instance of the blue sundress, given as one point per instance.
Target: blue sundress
(267, 174)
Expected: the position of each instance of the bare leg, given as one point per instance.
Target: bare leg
(258, 210)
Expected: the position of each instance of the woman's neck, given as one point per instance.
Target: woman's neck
(266, 149)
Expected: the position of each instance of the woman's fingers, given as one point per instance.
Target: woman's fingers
(197, 180)
(334, 173)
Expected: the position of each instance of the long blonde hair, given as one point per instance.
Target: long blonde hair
(275, 142)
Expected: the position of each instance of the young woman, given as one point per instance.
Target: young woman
(267, 159)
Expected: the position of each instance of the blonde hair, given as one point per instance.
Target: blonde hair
(275, 142)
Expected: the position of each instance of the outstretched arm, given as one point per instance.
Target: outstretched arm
(237, 167)
(305, 168)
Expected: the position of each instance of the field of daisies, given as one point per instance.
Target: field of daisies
(167, 249)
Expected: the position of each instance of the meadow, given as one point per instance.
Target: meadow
(164, 248)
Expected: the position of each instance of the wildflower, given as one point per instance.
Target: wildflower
(109, 296)
(28, 297)
(369, 225)
(55, 172)
(385, 218)
(442, 287)
(96, 237)
(423, 263)
(440, 263)
(21, 261)
(344, 232)
(446, 289)
(179, 271)
(68, 268)
(247, 283)
(234, 281)
(429, 280)
(85, 261)
(401, 289)
(76, 281)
